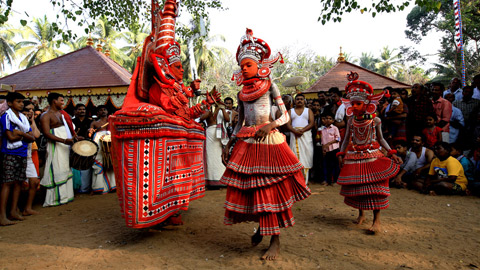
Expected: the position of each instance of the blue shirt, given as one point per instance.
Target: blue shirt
(20, 151)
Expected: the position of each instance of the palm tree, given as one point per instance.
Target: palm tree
(390, 62)
(42, 47)
(368, 61)
(105, 34)
(7, 54)
(135, 37)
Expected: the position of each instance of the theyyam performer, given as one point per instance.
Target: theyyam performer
(263, 176)
(157, 145)
(365, 171)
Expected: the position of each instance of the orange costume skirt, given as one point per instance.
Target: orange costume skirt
(264, 180)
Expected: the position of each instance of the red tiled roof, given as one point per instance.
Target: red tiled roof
(337, 77)
(83, 68)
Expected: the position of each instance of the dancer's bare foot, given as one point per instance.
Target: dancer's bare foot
(16, 216)
(375, 228)
(6, 222)
(273, 249)
(257, 238)
(29, 212)
(361, 217)
(432, 193)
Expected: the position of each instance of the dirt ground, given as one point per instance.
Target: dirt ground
(419, 232)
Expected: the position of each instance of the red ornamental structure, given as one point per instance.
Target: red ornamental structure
(159, 160)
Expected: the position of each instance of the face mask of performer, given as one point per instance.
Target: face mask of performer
(249, 68)
(177, 71)
(358, 107)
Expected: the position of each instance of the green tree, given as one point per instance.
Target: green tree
(120, 13)
(390, 62)
(368, 61)
(42, 46)
(135, 36)
(106, 35)
(421, 21)
(7, 45)
(335, 9)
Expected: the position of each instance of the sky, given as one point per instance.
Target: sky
(290, 24)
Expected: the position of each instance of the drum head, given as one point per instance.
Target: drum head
(106, 138)
(85, 148)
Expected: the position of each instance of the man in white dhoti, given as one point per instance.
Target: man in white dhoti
(216, 137)
(301, 141)
(57, 127)
(103, 178)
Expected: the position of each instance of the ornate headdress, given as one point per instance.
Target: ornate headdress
(258, 50)
(160, 49)
(357, 90)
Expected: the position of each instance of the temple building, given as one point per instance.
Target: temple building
(337, 77)
(86, 76)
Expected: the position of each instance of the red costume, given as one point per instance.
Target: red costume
(158, 147)
(365, 174)
(263, 177)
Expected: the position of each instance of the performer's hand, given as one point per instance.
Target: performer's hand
(195, 85)
(80, 138)
(396, 159)
(214, 97)
(340, 161)
(226, 154)
(262, 133)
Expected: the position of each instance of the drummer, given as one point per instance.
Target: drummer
(82, 179)
(103, 179)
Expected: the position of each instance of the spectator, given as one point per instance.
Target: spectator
(454, 88)
(446, 175)
(443, 110)
(467, 164)
(424, 157)
(419, 106)
(300, 124)
(476, 84)
(317, 170)
(330, 145)
(474, 186)
(82, 179)
(407, 168)
(469, 108)
(432, 133)
(395, 117)
(17, 134)
(456, 121)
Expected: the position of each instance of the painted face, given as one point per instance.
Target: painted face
(358, 107)
(249, 68)
(177, 71)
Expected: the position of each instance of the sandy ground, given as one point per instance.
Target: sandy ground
(419, 232)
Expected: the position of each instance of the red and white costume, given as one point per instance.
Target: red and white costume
(264, 178)
(365, 174)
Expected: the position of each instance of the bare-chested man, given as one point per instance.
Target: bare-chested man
(57, 127)
(424, 159)
(103, 178)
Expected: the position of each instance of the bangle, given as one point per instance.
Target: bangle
(340, 154)
(392, 152)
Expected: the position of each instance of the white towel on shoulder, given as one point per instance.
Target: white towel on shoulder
(22, 124)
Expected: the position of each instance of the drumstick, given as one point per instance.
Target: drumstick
(95, 130)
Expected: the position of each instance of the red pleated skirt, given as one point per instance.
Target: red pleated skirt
(264, 180)
(365, 183)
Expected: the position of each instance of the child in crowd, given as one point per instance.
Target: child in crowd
(330, 145)
(407, 168)
(394, 113)
(446, 175)
(433, 134)
(16, 134)
(32, 161)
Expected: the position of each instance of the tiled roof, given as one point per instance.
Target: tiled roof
(337, 77)
(83, 68)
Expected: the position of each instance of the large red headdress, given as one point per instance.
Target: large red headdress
(258, 50)
(160, 50)
(357, 90)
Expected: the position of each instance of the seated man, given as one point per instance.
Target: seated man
(409, 158)
(446, 175)
(424, 159)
